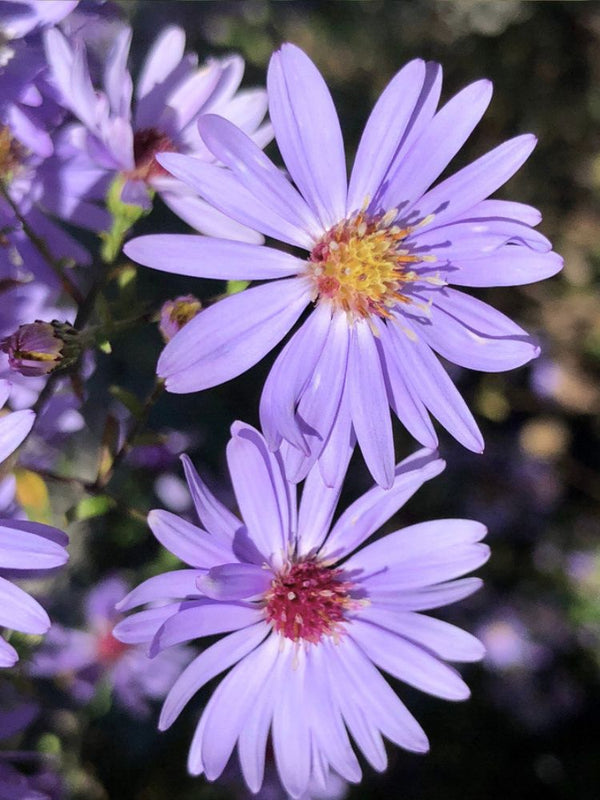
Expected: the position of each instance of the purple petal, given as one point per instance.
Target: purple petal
(223, 189)
(261, 490)
(442, 639)
(288, 378)
(379, 703)
(336, 455)
(19, 611)
(117, 81)
(290, 732)
(234, 581)
(231, 336)
(256, 172)
(211, 512)
(20, 549)
(164, 55)
(317, 507)
(370, 511)
(474, 335)
(438, 144)
(14, 427)
(207, 665)
(203, 619)
(313, 153)
(508, 209)
(232, 703)
(369, 405)
(510, 265)
(252, 743)
(427, 597)
(430, 381)
(476, 181)
(141, 627)
(8, 654)
(200, 257)
(383, 132)
(201, 216)
(166, 586)
(408, 662)
(188, 542)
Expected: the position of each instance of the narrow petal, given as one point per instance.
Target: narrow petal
(435, 389)
(232, 703)
(256, 171)
(234, 581)
(438, 144)
(165, 54)
(509, 209)
(369, 405)
(141, 627)
(260, 489)
(230, 336)
(188, 542)
(204, 257)
(117, 80)
(252, 744)
(444, 640)
(294, 367)
(383, 132)
(13, 429)
(476, 181)
(370, 511)
(408, 662)
(224, 190)
(379, 702)
(336, 455)
(426, 598)
(472, 334)
(313, 154)
(19, 611)
(167, 586)
(206, 666)
(510, 265)
(290, 733)
(317, 507)
(8, 654)
(204, 218)
(203, 619)
(20, 549)
(211, 512)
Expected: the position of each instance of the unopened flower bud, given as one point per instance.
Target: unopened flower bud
(176, 313)
(38, 348)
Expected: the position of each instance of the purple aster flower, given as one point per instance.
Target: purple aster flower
(83, 658)
(171, 92)
(383, 252)
(310, 617)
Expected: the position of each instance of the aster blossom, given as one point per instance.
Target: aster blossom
(120, 130)
(384, 250)
(310, 617)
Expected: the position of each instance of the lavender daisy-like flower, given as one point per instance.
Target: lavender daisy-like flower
(170, 93)
(310, 617)
(84, 658)
(383, 251)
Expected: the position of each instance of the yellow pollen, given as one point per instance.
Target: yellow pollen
(362, 265)
(11, 155)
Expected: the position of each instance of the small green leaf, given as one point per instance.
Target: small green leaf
(90, 507)
(233, 287)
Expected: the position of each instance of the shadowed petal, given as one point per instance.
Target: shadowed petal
(211, 512)
(19, 611)
(13, 429)
(166, 586)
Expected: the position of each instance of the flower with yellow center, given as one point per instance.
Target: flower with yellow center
(380, 272)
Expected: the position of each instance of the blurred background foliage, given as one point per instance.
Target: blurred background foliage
(532, 724)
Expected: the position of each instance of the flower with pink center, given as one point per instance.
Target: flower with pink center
(383, 253)
(310, 617)
(115, 139)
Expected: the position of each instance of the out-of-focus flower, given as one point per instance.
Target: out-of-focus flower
(171, 92)
(310, 617)
(39, 348)
(176, 313)
(383, 252)
(81, 659)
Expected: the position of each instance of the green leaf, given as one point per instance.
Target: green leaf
(124, 216)
(233, 287)
(90, 507)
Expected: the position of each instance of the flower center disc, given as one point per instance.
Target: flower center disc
(307, 600)
(360, 267)
(147, 143)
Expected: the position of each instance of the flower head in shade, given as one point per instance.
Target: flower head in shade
(81, 659)
(113, 139)
(310, 617)
(176, 313)
(39, 348)
(383, 252)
